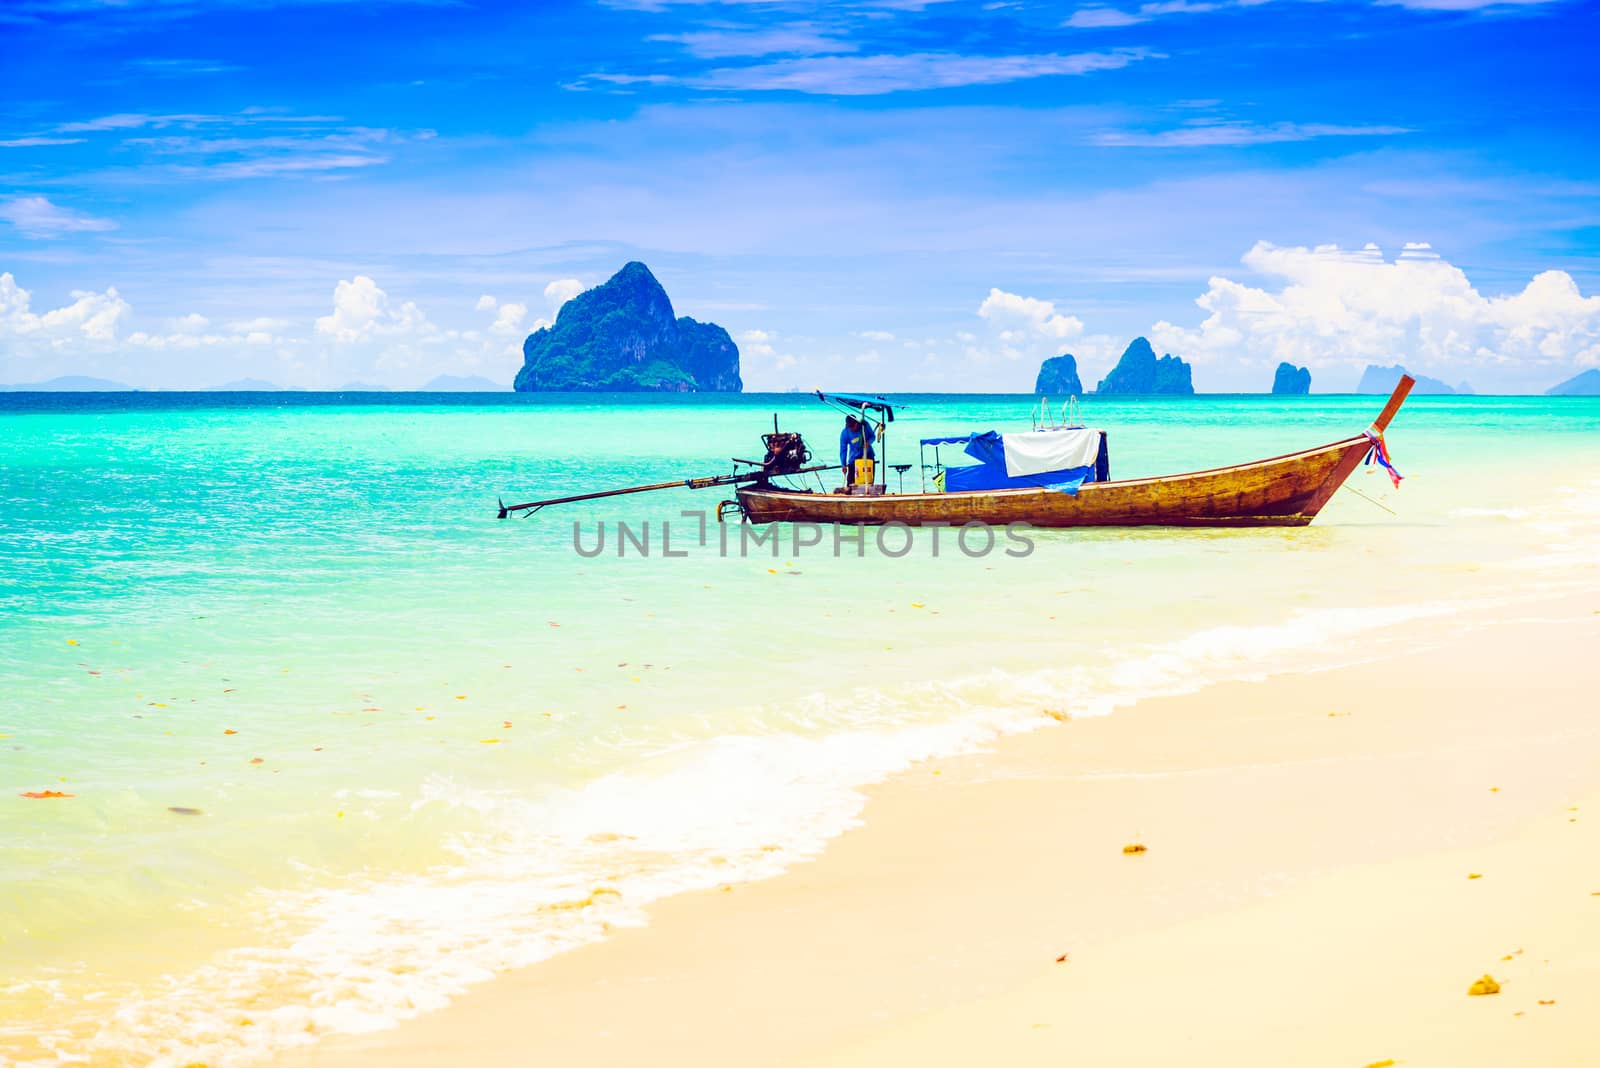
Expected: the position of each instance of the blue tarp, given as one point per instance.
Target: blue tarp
(990, 472)
(985, 477)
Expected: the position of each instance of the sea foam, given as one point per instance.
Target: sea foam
(550, 874)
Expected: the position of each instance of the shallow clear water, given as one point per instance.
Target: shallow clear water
(425, 745)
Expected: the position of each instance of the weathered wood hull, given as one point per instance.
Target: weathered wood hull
(1283, 491)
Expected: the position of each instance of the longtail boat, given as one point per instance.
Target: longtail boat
(1054, 476)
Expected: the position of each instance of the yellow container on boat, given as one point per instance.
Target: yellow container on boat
(864, 473)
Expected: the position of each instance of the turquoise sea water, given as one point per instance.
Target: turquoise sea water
(423, 745)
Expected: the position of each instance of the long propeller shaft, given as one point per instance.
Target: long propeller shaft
(684, 483)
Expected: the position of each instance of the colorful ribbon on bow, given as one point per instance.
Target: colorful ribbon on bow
(1380, 452)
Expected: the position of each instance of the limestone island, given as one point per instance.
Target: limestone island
(623, 337)
(1058, 377)
(1291, 380)
(1586, 384)
(1377, 379)
(1140, 372)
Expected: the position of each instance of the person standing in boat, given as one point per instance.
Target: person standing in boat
(855, 443)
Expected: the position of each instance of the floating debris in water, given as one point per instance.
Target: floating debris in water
(1485, 985)
(1135, 847)
(40, 794)
(183, 810)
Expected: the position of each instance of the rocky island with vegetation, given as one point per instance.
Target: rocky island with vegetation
(1139, 371)
(1058, 377)
(622, 336)
(1291, 380)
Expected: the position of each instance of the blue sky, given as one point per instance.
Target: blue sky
(876, 194)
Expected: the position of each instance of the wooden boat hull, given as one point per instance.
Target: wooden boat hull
(1283, 491)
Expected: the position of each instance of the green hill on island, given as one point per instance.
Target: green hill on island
(1140, 372)
(623, 337)
(1058, 377)
(1586, 384)
(1291, 380)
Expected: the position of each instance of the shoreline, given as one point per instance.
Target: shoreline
(1322, 804)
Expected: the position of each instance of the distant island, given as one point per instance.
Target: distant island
(1291, 380)
(1140, 372)
(1058, 377)
(462, 384)
(1586, 384)
(70, 384)
(622, 336)
(249, 385)
(1377, 379)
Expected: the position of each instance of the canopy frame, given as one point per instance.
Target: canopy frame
(850, 404)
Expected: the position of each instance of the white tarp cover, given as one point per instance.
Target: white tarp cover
(1038, 452)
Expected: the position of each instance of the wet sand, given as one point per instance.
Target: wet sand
(1306, 895)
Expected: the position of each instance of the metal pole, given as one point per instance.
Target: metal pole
(685, 483)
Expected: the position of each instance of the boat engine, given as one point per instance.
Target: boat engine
(786, 453)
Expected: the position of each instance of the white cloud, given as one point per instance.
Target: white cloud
(508, 318)
(39, 142)
(1103, 16)
(890, 73)
(368, 336)
(37, 217)
(1100, 16)
(801, 39)
(182, 339)
(259, 325)
(1094, 18)
(138, 121)
(253, 143)
(90, 317)
(758, 347)
(875, 335)
(1336, 308)
(1183, 7)
(1461, 5)
(1214, 134)
(1021, 331)
(193, 331)
(560, 291)
(1021, 316)
(362, 311)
